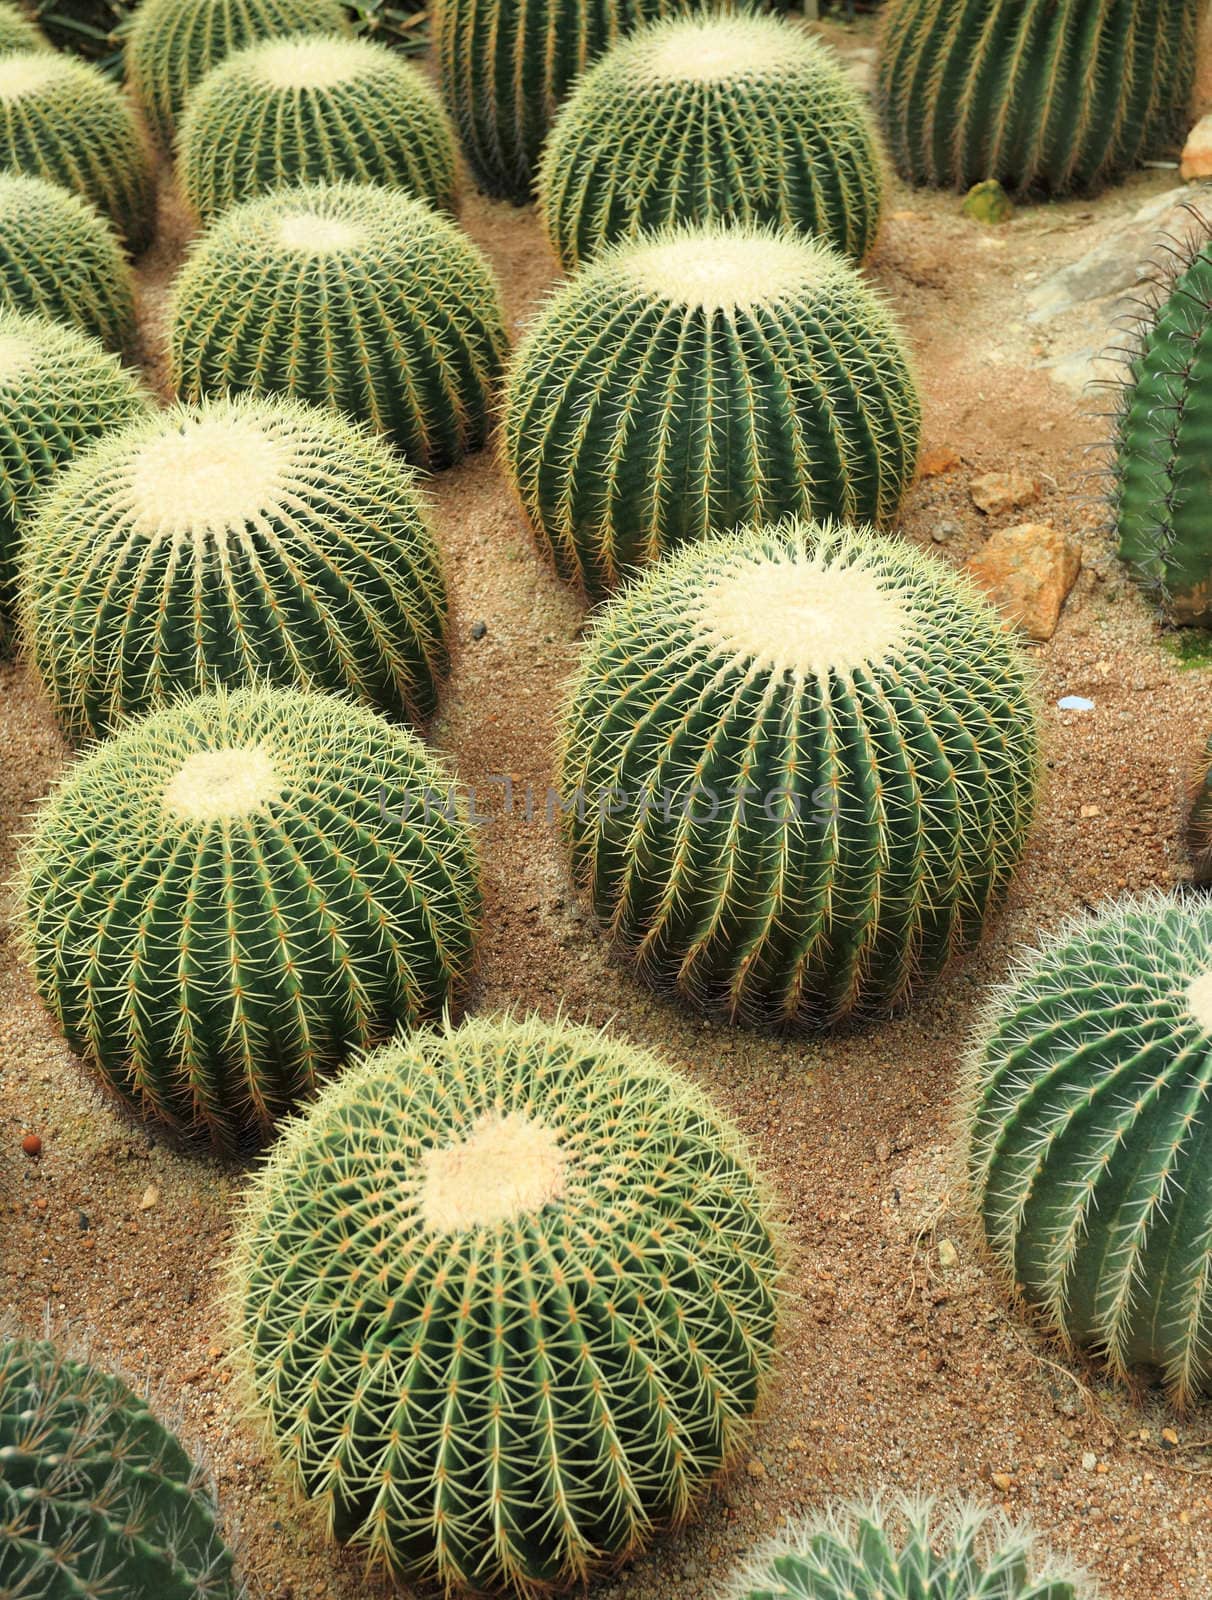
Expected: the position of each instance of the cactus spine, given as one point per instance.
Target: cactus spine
(908, 1550)
(62, 120)
(698, 380)
(797, 767)
(17, 32)
(225, 900)
(249, 541)
(1163, 434)
(1088, 1137)
(717, 117)
(315, 108)
(97, 1497)
(59, 259)
(350, 296)
(557, 1317)
(59, 391)
(1055, 96)
(507, 64)
(173, 44)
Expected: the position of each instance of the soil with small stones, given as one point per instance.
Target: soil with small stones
(903, 1364)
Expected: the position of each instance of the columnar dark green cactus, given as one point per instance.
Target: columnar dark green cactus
(1089, 1139)
(61, 260)
(173, 44)
(63, 120)
(506, 1299)
(1054, 96)
(507, 64)
(225, 900)
(315, 107)
(59, 391)
(350, 296)
(908, 1550)
(249, 541)
(17, 32)
(797, 767)
(97, 1497)
(697, 380)
(730, 117)
(1163, 435)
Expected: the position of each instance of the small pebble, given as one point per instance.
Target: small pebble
(1089, 1461)
(32, 1145)
(478, 630)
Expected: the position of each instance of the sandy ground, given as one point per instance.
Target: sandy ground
(903, 1367)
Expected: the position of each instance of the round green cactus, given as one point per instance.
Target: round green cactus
(248, 541)
(227, 898)
(59, 259)
(730, 117)
(698, 380)
(798, 767)
(17, 32)
(173, 44)
(1053, 96)
(315, 108)
(1088, 1146)
(62, 120)
(557, 1316)
(97, 1497)
(908, 1550)
(59, 391)
(507, 64)
(1159, 472)
(350, 296)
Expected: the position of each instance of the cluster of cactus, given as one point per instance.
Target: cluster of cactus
(507, 64)
(226, 899)
(700, 379)
(558, 1316)
(97, 1497)
(1161, 443)
(1087, 1151)
(314, 108)
(59, 391)
(1050, 96)
(173, 44)
(350, 296)
(59, 259)
(730, 117)
(62, 120)
(246, 541)
(17, 32)
(908, 1550)
(797, 768)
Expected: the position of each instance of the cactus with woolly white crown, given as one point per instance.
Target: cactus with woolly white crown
(699, 379)
(558, 1315)
(315, 108)
(174, 44)
(797, 766)
(97, 1496)
(228, 898)
(350, 296)
(59, 392)
(712, 117)
(62, 120)
(60, 259)
(244, 541)
(1088, 1144)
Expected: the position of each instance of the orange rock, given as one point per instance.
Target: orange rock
(1197, 152)
(1028, 571)
(935, 462)
(995, 492)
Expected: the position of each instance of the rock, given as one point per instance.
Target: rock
(945, 528)
(988, 202)
(1028, 571)
(151, 1198)
(948, 1255)
(1089, 1461)
(1114, 267)
(1197, 152)
(1001, 1480)
(995, 492)
(935, 462)
(755, 1468)
(478, 630)
(32, 1145)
